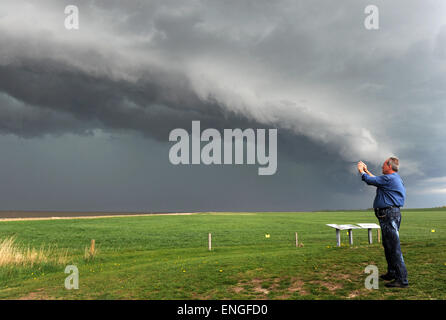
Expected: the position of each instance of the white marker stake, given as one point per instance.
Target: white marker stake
(297, 242)
(92, 247)
(210, 242)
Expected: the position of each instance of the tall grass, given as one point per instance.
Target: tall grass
(12, 253)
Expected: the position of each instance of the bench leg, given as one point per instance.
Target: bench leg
(370, 236)
(338, 237)
(350, 236)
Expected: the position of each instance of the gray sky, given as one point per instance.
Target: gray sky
(85, 114)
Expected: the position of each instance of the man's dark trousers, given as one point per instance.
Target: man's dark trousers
(389, 221)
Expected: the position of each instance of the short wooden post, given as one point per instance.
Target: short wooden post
(338, 237)
(297, 241)
(378, 232)
(92, 247)
(210, 241)
(350, 236)
(370, 236)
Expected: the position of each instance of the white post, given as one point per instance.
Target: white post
(338, 237)
(297, 242)
(370, 236)
(210, 241)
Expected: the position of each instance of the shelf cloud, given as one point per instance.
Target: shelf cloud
(309, 69)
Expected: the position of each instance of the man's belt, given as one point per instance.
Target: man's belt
(378, 210)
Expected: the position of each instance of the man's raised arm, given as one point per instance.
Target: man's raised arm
(369, 178)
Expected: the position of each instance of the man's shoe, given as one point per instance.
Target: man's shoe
(387, 277)
(396, 284)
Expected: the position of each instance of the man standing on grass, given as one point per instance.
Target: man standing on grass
(390, 196)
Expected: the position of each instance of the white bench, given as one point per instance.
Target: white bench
(350, 227)
(369, 227)
(340, 227)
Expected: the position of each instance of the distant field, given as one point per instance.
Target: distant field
(167, 257)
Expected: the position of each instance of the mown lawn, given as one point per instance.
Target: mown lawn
(167, 257)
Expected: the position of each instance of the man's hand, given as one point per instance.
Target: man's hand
(361, 167)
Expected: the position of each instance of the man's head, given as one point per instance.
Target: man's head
(391, 165)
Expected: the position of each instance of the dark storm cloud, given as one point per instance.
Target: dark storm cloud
(24, 121)
(90, 79)
(336, 92)
(150, 105)
(177, 61)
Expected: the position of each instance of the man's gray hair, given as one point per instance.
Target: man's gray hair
(394, 162)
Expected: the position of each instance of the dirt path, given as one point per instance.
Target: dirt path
(28, 215)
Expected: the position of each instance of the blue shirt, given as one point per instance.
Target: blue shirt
(390, 190)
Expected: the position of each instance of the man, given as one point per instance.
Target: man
(390, 196)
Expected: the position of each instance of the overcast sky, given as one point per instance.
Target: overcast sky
(85, 114)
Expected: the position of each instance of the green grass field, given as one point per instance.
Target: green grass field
(167, 257)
